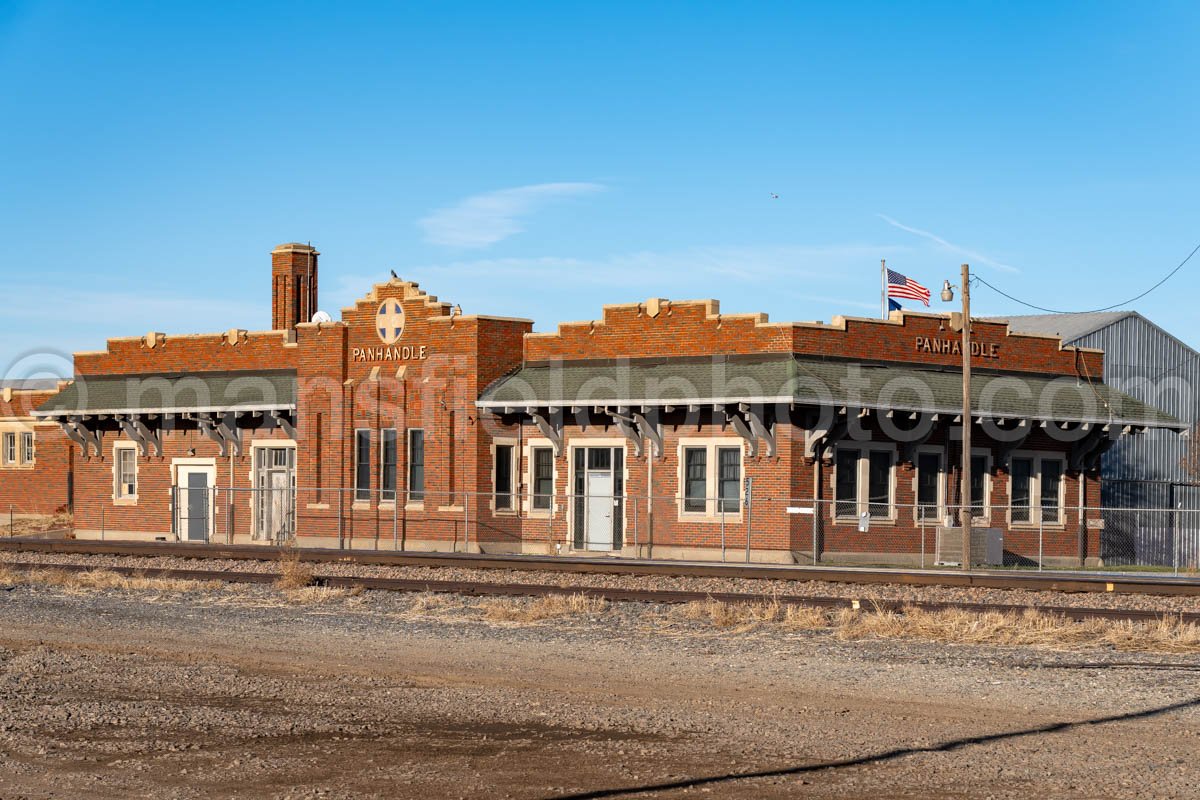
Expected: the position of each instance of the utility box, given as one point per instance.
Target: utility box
(987, 547)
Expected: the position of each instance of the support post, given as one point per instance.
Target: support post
(966, 417)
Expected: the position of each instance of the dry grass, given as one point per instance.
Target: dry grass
(554, 606)
(315, 595)
(1029, 629)
(102, 579)
(746, 617)
(293, 573)
(24, 526)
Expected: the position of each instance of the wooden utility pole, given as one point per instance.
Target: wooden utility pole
(966, 417)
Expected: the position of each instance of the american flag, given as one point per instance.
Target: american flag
(900, 286)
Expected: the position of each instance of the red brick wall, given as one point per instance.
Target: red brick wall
(194, 353)
(696, 328)
(41, 487)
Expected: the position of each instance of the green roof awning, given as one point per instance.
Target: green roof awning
(174, 394)
(818, 382)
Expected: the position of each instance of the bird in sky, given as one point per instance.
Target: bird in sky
(774, 196)
(394, 275)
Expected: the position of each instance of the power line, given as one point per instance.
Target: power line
(1166, 278)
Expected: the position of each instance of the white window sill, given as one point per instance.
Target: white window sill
(414, 507)
(317, 506)
(730, 517)
(450, 508)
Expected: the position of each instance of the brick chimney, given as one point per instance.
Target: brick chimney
(293, 285)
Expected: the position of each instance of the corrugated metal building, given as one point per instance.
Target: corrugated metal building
(1148, 471)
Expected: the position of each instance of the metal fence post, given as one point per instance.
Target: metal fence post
(816, 513)
(341, 516)
(395, 522)
(12, 522)
(467, 523)
(1041, 539)
(722, 531)
(102, 523)
(749, 514)
(921, 514)
(1175, 534)
(635, 527)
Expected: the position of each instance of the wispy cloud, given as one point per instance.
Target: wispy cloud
(973, 255)
(484, 219)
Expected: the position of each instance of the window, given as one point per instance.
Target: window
(710, 477)
(863, 481)
(320, 463)
(26, 448)
(879, 483)
(929, 483)
(387, 465)
(979, 473)
(1035, 489)
(543, 478)
(1051, 479)
(695, 479)
(503, 490)
(451, 460)
(729, 479)
(9, 453)
(125, 472)
(416, 465)
(1020, 488)
(362, 464)
(846, 484)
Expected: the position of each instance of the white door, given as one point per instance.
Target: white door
(194, 499)
(600, 506)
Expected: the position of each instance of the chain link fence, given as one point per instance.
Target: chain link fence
(728, 527)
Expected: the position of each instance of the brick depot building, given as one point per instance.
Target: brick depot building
(663, 429)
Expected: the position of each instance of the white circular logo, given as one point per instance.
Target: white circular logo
(389, 321)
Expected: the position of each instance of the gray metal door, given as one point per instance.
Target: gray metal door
(196, 523)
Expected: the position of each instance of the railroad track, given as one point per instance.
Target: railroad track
(490, 589)
(1031, 581)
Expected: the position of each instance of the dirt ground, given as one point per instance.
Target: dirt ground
(239, 694)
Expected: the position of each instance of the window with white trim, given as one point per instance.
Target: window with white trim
(502, 476)
(362, 465)
(928, 464)
(388, 443)
(416, 465)
(1035, 489)
(125, 471)
(864, 481)
(27, 448)
(710, 477)
(8, 451)
(542, 483)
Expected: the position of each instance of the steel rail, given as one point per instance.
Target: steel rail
(671, 597)
(993, 579)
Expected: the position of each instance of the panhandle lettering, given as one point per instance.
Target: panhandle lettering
(406, 353)
(952, 347)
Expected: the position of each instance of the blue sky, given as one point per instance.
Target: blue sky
(543, 159)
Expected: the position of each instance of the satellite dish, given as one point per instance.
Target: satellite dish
(321, 316)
